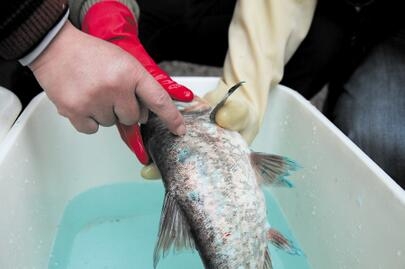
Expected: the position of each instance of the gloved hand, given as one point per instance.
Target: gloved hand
(113, 21)
(263, 35)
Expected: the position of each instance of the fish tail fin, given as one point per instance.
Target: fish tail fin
(267, 261)
(280, 241)
(273, 169)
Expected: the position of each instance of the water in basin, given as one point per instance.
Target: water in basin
(115, 227)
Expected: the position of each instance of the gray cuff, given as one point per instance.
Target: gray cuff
(79, 8)
(30, 57)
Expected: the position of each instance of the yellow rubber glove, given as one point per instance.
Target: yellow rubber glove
(263, 35)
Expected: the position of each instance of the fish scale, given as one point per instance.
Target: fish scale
(214, 201)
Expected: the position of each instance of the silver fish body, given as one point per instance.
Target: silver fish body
(214, 201)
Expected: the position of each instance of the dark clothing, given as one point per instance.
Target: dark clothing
(370, 106)
(186, 30)
(24, 23)
(342, 34)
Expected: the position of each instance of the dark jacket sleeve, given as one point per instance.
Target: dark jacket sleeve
(24, 23)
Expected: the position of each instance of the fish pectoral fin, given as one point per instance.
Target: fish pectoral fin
(174, 230)
(267, 260)
(273, 169)
(280, 241)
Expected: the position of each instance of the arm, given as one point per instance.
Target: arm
(90, 81)
(116, 21)
(263, 35)
(93, 82)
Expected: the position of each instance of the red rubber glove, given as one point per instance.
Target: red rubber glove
(113, 21)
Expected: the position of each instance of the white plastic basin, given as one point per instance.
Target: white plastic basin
(344, 210)
(10, 107)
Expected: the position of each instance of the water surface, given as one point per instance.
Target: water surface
(115, 227)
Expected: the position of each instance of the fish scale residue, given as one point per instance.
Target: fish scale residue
(214, 165)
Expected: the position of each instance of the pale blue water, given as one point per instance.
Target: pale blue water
(115, 227)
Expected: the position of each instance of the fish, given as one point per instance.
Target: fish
(214, 202)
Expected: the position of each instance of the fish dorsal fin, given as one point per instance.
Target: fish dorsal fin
(273, 169)
(214, 112)
(174, 230)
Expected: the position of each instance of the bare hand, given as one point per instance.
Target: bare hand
(93, 82)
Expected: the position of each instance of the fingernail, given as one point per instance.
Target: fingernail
(181, 130)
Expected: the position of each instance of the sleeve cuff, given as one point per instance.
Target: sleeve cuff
(79, 9)
(30, 57)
